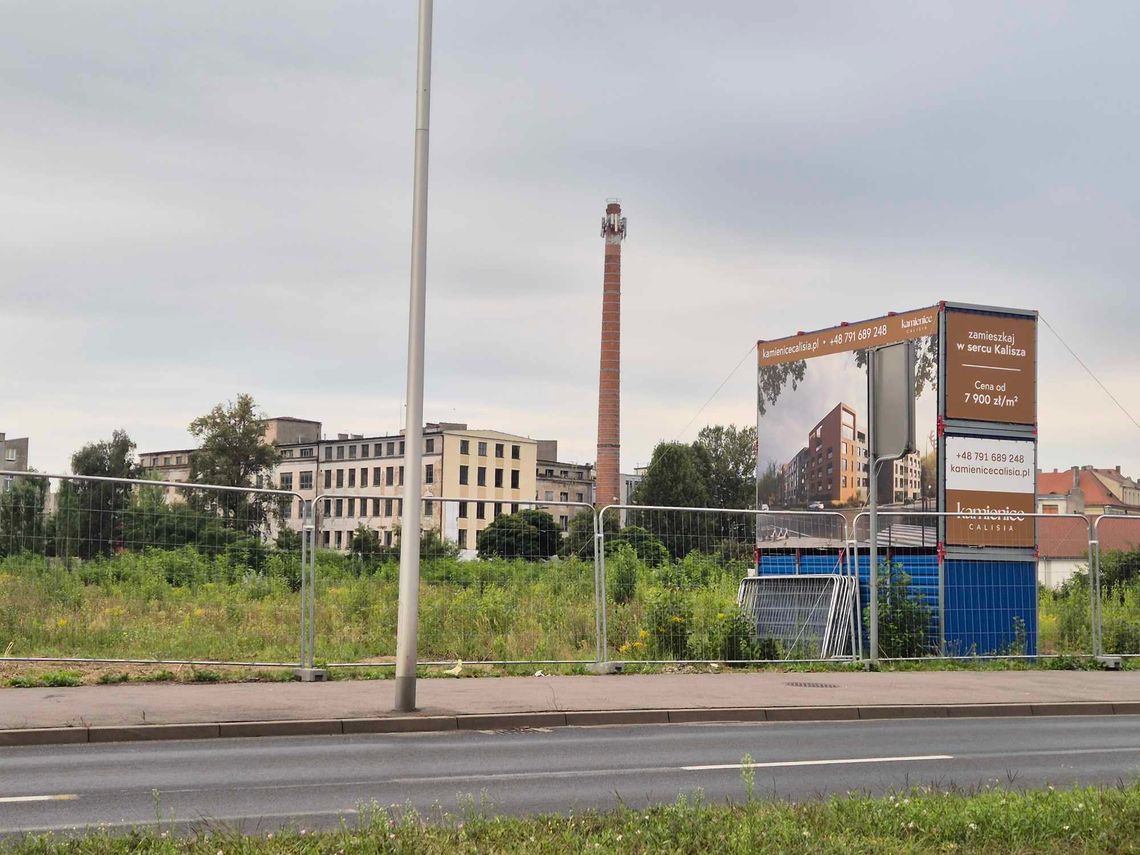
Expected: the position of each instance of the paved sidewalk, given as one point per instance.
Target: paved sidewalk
(684, 696)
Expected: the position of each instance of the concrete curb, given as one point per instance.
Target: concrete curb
(513, 721)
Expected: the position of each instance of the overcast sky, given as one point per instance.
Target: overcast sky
(202, 198)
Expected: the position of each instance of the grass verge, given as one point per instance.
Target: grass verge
(1077, 821)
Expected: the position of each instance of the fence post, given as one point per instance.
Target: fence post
(309, 672)
(600, 558)
(1094, 590)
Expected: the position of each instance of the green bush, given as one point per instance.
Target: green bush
(622, 568)
(904, 619)
(669, 614)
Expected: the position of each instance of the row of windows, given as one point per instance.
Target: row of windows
(391, 448)
(481, 476)
(562, 497)
(500, 449)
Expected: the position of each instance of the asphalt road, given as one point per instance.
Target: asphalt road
(262, 784)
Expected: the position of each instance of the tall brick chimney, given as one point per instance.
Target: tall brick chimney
(608, 485)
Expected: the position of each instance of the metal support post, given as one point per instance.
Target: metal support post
(408, 620)
(873, 502)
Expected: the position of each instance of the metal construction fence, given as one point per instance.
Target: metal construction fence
(1117, 585)
(127, 571)
(701, 584)
(135, 571)
(502, 581)
(976, 602)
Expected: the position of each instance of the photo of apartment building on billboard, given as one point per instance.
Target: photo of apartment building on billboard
(832, 468)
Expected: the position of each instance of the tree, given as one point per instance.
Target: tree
(579, 539)
(232, 452)
(92, 513)
(549, 536)
(23, 521)
(531, 534)
(677, 476)
(731, 458)
(509, 536)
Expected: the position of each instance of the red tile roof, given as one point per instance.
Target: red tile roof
(1067, 537)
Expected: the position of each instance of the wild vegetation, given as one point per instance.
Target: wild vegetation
(240, 603)
(1083, 820)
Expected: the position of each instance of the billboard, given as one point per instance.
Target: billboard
(975, 385)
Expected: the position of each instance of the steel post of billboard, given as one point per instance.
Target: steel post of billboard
(873, 502)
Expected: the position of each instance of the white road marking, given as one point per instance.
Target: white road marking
(780, 763)
(61, 797)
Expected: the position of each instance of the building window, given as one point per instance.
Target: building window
(564, 522)
(463, 473)
(306, 452)
(375, 507)
(549, 495)
(326, 539)
(497, 511)
(390, 476)
(377, 475)
(481, 476)
(339, 507)
(377, 449)
(351, 478)
(427, 508)
(429, 474)
(516, 452)
(514, 479)
(401, 447)
(498, 477)
(564, 497)
(388, 537)
(482, 449)
(287, 481)
(391, 448)
(462, 538)
(328, 507)
(287, 509)
(340, 540)
(352, 507)
(352, 452)
(578, 497)
(340, 478)
(165, 460)
(307, 480)
(340, 452)
(514, 507)
(401, 476)
(387, 507)
(429, 445)
(498, 449)
(463, 510)
(364, 476)
(480, 511)
(328, 452)
(464, 446)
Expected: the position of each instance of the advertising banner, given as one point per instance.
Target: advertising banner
(991, 485)
(890, 329)
(991, 368)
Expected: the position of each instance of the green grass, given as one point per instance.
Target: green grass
(180, 604)
(919, 821)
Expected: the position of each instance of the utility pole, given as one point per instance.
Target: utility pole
(407, 626)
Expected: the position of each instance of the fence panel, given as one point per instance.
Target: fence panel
(1117, 585)
(500, 581)
(700, 584)
(999, 601)
(99, 569)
